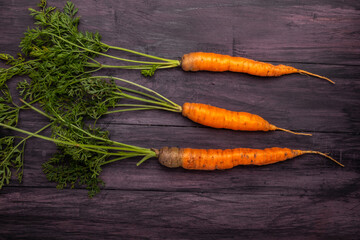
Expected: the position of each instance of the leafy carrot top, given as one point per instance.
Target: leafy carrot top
(59, 61)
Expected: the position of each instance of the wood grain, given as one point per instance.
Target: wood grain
(136, 215)
(308, 197)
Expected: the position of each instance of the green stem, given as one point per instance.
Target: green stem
(134, 67)
(113, 160)
(107, 55)
(146, 158)
(24, 139)
(128, 110)
(171, 104)
(83, 148)
(13, 109)
(137, 53)
(80, 129)
(149, 90)
(140, 107)
(128, 96)
(19, 64)
(29, 104)
(91, 147)
(36, 109)
(95, 64)
(92, 71)
(141, 93)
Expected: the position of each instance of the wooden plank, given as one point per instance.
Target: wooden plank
(176, 215)
(305, 198)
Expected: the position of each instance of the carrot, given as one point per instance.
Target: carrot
(215, 117)
(199, 61)
(211, 159)
(200, 113)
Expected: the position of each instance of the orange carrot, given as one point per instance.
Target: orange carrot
(221, 118)
(211, 159)
(200, 61)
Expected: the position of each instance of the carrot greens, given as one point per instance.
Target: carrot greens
(60, 81)
(11, 147)
(82, 151)
(57, 36)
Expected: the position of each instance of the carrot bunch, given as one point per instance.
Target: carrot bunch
(69, 94)
(50, 45)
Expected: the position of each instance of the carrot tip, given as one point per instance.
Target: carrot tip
(296, 133)
(315, 75)
(325, 155)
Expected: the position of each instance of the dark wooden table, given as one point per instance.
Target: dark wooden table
(308, 197)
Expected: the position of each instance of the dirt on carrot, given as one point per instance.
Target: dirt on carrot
(211, 159)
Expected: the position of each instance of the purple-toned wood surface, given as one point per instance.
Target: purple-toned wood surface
(308, 197)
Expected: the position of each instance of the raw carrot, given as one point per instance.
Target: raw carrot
(58, 41)
(211, 159)
(215, 117)
(200, 113)
(201, 61)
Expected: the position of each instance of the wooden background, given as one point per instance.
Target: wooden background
(308, 197)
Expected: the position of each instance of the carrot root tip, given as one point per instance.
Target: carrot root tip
(315, 75)
(296, 133)
(325, 155)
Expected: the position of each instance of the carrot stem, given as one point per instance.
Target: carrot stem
(107, 55)
(141, 54)
(128, 96)
(153, 154)
(23, 140)
(140, 93)
(135, 67)
(85, 146)
(135, 107)
(149, 90)
(57, 116)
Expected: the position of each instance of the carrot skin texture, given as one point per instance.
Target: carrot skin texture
(202, 61)
(211, 159)
(215, 117)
